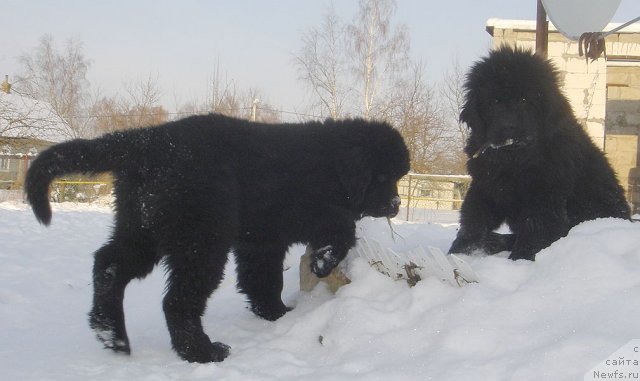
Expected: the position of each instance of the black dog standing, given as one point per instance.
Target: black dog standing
(190, 191)
(532, 164)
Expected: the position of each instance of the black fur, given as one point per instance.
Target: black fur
(550, 178)
(188, 192)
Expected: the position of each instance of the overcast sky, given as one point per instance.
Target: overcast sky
(253, 41)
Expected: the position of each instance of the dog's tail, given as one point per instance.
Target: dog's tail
(79, 155)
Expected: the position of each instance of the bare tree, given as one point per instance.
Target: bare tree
(413, 108)
(139, 108)
(321, 63)
(23, 117)
(452, 92)
(144, 93)
(58, 78)
(393, 88)
(107, 115)
(378, 50)
(143, 103)
(225, 98)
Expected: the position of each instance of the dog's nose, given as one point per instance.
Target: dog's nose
(395, 202)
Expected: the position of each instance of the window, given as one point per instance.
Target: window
(4, 164)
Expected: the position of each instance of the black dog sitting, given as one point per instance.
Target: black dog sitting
(532, 164)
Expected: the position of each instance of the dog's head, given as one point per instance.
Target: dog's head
(512, 102)
(374, 157)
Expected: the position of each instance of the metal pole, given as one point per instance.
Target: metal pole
(542, 30)
(614, 30)
(408, 198)
(254, 109)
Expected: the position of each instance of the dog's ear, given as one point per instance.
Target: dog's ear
(354, 171)
(470, 115)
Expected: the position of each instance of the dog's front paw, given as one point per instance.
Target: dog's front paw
(271, 313)
(522, 254)
(205, 352)
(323, 261)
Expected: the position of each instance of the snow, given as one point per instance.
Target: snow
(531, 25)
(553, 319)
(26, 117)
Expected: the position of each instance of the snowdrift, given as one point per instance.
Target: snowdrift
(554, 319)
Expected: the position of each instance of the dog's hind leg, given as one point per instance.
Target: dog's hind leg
(259, 270)
(125, 257)
(195, 262)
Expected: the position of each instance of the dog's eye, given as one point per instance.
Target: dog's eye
(496, 100)
(523, 100)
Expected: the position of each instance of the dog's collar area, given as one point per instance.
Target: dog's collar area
(483, 148)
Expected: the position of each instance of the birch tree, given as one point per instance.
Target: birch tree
(452, 93)
(378, 50)
(139, 107)
(413, 109)
(321, 63)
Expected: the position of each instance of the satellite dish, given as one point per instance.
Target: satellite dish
(575, 17)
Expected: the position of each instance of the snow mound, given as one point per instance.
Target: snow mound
(554, 319)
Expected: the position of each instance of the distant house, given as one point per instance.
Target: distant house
(27, 126)
(15, 155)
(23, 117)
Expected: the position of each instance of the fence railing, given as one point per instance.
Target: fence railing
(424, 191)
(418, 191)
(60, 191)
(13, 169)
(79, 191)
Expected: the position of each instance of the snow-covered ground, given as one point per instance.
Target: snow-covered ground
(554, 319)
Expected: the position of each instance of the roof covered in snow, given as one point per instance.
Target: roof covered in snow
(23, 117)
(531, 25)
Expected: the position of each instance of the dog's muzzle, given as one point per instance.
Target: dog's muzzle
(395, 207)
(390, 210)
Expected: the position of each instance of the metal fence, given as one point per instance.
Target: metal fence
(79, 191)
(62, 191)
(418, 191)
(423, 191)
(13, 169)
